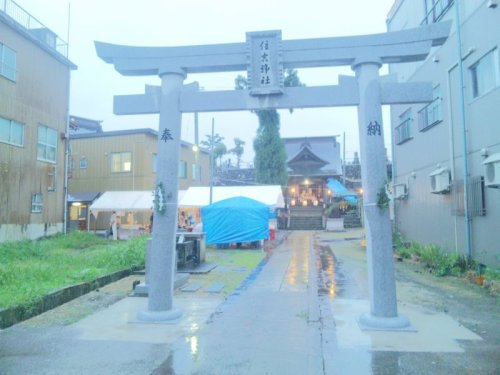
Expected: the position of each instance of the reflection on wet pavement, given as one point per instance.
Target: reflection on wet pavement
(266, 326)
(297, 273)
(326, 275)
(261, 328)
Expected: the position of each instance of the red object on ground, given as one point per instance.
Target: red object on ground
(272, 234)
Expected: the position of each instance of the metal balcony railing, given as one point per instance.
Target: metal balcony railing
(437, 11)
(430, 115)
(33, 26)
(403, 131)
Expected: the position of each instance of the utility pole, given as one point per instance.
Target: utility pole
(212, 162)
(343, 161)
(463, 126)
(196, 150)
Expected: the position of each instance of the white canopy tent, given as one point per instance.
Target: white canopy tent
(125, 201)
(199, 196)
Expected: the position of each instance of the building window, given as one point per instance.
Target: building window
(154, 162)
(37, 203)
(47, 144)
(11, 132)
(194, 170)
(83, 163)
(435, 10)
(484, 74)
(7, 62)
(121, 162)
(182, 169)
(403, 130)
(52, 178)
(431, 114)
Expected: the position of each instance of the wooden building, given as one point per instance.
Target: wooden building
(34, 101)
(311, 161)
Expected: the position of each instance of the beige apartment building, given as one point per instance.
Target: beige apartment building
(123, 160)
(34, 92)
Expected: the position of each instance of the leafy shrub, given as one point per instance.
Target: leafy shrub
(492, 273)
(436, 260)
(463, 263)
(440, 262)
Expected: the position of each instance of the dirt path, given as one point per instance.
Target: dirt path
(473, 306)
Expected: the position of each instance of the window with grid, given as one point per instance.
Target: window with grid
(37, 203)
(52, 174)
(8, 62)
(431, 114)
(403, 130)
(121, 162)
(47, 144)
(11, 132)
(485, 74)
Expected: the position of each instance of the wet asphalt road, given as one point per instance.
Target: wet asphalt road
(293, 315)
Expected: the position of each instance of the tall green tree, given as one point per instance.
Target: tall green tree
(238, 150)
(270, 155)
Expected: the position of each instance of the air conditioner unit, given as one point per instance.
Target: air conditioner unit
(492, 171)
(400, 191)
(440, 181)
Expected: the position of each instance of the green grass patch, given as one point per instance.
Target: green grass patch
(31, 269)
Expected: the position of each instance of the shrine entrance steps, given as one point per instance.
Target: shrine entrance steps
(306, 218)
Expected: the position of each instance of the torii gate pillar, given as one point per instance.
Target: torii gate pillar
(383, 313)
(162, 259)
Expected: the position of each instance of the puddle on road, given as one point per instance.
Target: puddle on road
(326, 265)
(335, 278)
(342, 239)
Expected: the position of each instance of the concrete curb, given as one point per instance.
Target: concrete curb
(55, 298)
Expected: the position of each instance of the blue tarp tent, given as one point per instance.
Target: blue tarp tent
(340, 190)
(237, 219)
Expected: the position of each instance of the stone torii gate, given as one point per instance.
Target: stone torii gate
(264, 56)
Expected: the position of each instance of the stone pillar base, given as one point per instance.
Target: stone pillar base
(167, 316)
(368, 322)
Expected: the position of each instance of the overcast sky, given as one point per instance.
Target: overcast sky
(196, 22)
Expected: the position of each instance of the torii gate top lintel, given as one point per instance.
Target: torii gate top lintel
(391, 47)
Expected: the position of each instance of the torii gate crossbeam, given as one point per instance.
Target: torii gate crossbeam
(343, 95)
(264, 56)
(393, 47)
